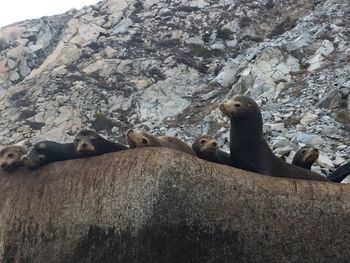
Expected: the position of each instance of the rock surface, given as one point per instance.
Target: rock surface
(161, 205)
(164, 66)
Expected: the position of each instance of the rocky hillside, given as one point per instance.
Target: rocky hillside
(164, 66)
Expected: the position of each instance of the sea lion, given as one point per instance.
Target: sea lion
(45, 152)
(248, 147)
(282, 157)
(10, 157)
(305, 157)
(207, 149)
(90, 143)
(145, 139)
(340, 173)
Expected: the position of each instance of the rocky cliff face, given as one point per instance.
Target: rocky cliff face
(164, 66)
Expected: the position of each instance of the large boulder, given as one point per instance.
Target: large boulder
(160, 205)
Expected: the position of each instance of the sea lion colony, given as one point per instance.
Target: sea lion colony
(248, 147)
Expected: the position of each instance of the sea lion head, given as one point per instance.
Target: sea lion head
(141, 139)
(37, 156)
(86, 141)
(204, 146)
(246, 121)
(306, 156)
(240, 109)
(10, 156)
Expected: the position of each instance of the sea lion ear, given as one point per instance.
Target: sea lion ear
(144, 140)
(42, 146)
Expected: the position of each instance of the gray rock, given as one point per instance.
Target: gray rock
(308, 138)
(319, 57)
(308, 118)
(166, 65)
(332, 100)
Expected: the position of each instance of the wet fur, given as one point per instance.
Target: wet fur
(249, 149)
(95, 144)
(209, 152)
(10, 157)
(53, 152)
(145, 139)
(305, 157)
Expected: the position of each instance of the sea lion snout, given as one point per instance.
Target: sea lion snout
(214, 144)
(222, 107)
(84, 146)
(230, 107)
(312, 155)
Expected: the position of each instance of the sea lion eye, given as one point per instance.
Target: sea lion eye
(303, 151)
(144, 141)
(41, 157)
(203, 141)
(237, 104)
(77, 140)
(10, 155)
(93, 139)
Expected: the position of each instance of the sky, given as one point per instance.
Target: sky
(17, 10)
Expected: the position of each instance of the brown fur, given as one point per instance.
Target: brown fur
(248, 147)
(90, 143)
(10, 156)
(206, 148)
(145, 139)
(305, 157)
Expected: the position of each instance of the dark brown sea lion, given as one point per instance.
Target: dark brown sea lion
(305, 157)
(90, 143)
(10, 157)
(206, 148)
(248, 147)
(145, 139)
(340, 173)
(45, 152)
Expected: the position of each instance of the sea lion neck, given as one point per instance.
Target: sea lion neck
(246, 133)
(246, 121)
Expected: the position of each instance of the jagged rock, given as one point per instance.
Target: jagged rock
(280, 141)
(61, 70)
(346, 180)
(267, 73)
(308, 118)
(332, 100)
(227, 76)
(154, 102)
(319, 58)
(283, 151)
(308, 138)
(324, 161)
(168, 65)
